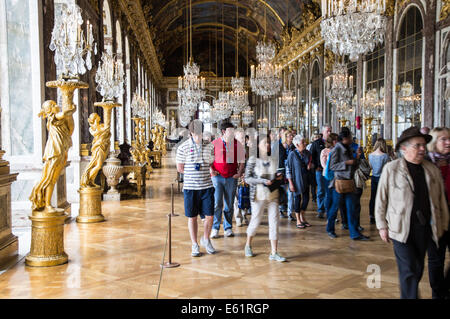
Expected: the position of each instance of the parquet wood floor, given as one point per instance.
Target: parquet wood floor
(121, 258)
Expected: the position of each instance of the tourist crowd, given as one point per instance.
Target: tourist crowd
(239, 174)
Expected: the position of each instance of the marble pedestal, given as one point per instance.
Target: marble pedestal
(8, 241)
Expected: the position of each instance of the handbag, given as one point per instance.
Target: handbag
(344, 186)
(244, 196)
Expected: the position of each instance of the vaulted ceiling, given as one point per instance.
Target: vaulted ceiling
(168, 24)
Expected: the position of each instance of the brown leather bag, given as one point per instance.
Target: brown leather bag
(344, 186)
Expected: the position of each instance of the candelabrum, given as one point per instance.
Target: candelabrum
(265, 78)
(139, 149)
(69, 43)
(139, 106)
(47, 222)
(109, 78)
(353, 27)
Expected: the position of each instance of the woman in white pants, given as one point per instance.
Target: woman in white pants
(260, 173)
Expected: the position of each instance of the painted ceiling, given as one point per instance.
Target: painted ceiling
(168, 22)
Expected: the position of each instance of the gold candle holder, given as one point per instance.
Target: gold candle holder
(47, 222)
(91, 193)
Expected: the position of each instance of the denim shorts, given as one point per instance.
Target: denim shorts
(199, 202)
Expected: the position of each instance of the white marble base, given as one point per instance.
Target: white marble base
(111, 197)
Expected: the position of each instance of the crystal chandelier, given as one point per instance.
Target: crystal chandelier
(247, 116)
(340, 90)
(191, 87)
(238, 96)
(70, 44)
(373, 103)
(353, 27)
(265, 78)
(109, 77)
(222, 108)
(138, 106)
(235, 119)
(287, 98)
(409, 106)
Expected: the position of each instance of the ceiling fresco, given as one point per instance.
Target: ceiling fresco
(168, 23)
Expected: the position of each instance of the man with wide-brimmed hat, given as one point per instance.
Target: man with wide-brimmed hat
(411, 210)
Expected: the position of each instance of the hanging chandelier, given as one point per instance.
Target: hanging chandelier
(191, 87)
(265, 78)
(247, 116)
(353, 27)
(222, 109)
(235, 119)
(238, 95)
(339, 86)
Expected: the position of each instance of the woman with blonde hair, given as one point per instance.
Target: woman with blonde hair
(377, 159)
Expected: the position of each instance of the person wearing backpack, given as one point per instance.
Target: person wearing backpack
(297, 165)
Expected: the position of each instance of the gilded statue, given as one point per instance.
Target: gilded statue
(100, 150)
(60, 127)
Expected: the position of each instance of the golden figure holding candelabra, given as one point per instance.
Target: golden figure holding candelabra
(60, 128)
(99, 150)
(109, 77)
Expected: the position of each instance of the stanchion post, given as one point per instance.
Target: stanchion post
(171, 195)
(170, 264)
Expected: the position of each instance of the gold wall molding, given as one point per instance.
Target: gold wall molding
(136, 19)
(445, 10)
(300, 44)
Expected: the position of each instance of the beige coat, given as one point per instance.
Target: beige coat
(395, 199)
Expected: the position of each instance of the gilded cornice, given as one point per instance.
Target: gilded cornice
(445, 10)
(136, 19)
(300, 44)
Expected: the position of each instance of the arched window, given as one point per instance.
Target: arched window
(375, 81)
(409, 70)
(107, 27)
(315, 96)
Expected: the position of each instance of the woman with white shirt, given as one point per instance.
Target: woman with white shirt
(261, 174)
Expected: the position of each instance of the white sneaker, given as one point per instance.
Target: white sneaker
(277, 257)
(238, 222)
(208, 246)
(214, 233)
(195, 250)
(229, 233)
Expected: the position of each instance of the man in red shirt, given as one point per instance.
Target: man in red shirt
(228, 166)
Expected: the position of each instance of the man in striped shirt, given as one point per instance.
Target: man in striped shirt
(194, 159)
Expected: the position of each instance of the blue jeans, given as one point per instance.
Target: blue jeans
(373, 195)
(321, 185)
(349, 199)
(225, 188)
(290, 199)
(328, 198)
(283, 200)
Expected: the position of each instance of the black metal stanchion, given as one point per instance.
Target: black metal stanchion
(170, 264)
(172, 214)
